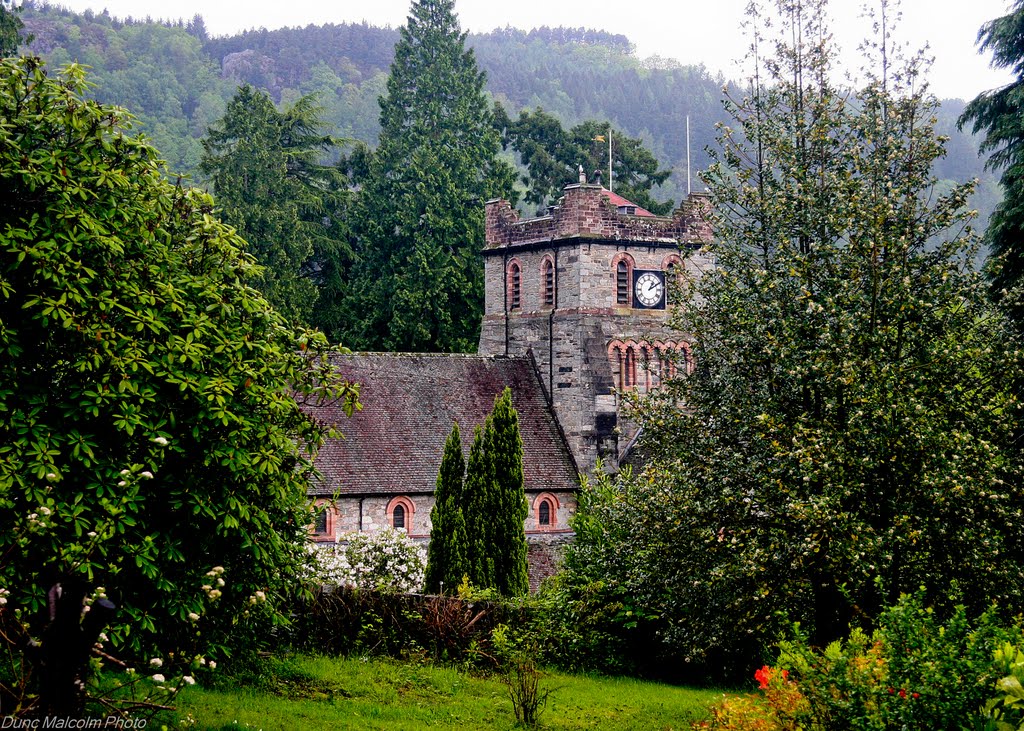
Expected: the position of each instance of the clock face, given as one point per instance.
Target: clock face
(649, 289)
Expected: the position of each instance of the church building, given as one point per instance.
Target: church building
(576, 313)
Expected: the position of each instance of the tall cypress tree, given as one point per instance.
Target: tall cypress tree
(479, 509)
(447, 559)
(508, 546)
(419, 285)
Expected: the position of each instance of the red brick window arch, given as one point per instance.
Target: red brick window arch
(545, 511)
(622, 266)
(515, 285)
(323, 521)
(674, 268)
(685, 357)
(400, 514)
(623, 357)
(547, 281)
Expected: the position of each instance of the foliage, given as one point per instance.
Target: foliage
(518, 662)
(440, 628)
(384, 560)
(447, 559)
(11, 27)
(913, 672)
(552, 157)
(151, 429)
(847, 435)
(418, 285)
(998, 115)
(264, 167)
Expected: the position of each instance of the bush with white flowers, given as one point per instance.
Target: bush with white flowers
(386, 560)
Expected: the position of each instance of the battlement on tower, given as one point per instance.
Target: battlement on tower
(589, 212)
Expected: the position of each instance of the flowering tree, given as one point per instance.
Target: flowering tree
(385, 560)
(151, 439)
(848, 431)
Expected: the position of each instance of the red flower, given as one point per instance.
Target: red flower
(785, 675)
(916, 695)
(903, 693)
(763, 676)
(891, 691)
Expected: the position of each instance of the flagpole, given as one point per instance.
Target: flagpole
(687, 154)
(610, 158)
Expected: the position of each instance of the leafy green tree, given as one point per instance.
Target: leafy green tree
(11, 26)
(848, 430)
(1000, 115)
(447, 561)
(509, 507)
(552, 157)
(152, 439)
(419, 282)
(264, 168)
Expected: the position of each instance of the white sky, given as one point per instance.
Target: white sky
(703, 31)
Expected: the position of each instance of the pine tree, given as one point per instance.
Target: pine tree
(447, 562)
(509, 499)
(419, 285)
(263, 165)
(1000, 114)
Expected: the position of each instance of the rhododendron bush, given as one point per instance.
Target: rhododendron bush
(154, 457)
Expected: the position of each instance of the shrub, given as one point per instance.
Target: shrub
(913, 672)
(385, 560)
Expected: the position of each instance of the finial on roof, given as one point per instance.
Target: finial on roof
(583, 176)
(597, 177)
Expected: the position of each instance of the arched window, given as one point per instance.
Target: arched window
(323, 521)
(629, 373)
(515, 288)
(622, 283)
(674, 270)
(622, 264)
(547, 278)
(400, 514)
(545, 511)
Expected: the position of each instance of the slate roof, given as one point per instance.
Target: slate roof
(394, 444)
(618, 201)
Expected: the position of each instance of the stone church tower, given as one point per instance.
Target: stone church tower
(583, 290)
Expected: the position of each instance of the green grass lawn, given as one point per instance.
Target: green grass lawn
(333, 693)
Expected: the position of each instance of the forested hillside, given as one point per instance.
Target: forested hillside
(178, 80)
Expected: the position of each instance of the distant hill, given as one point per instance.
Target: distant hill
(177, 80)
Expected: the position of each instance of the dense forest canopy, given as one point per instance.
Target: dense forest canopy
(178, 81)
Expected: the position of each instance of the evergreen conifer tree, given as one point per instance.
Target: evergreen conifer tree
(264, 167)
(447, 560)
(419, 228)
(508, 546)
(999, 114)
(479, 506)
